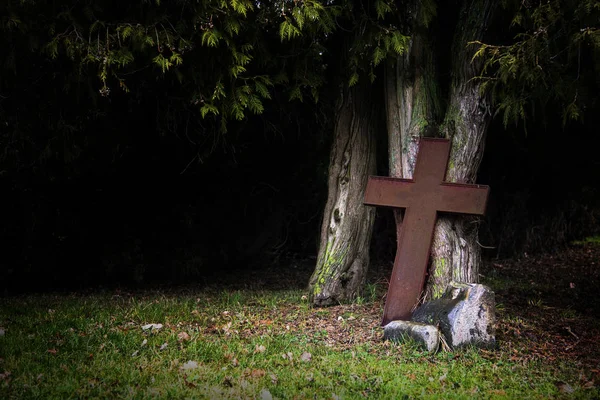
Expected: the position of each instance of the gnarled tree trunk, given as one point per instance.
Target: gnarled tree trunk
(412, 105)
(343, 258)
(455, 252)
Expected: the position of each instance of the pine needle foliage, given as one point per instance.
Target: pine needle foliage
(551, 57)
(229, 55)
(377, 34)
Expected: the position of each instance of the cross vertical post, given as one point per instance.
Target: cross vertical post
(423, 197)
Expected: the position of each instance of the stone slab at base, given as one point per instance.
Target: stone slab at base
(465, 315)
(423, 334)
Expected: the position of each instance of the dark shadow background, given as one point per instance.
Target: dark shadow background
(136, 189)
(253, 202)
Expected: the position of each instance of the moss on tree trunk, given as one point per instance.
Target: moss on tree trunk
(347, 226)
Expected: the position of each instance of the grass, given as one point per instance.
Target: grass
(592, 240)
(246, 344)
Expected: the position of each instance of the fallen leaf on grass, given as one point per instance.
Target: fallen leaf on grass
(257, 373)
(4, 375)
(183, 336)
(152, 327)
(188, 382)
(273, 378)
(135, 353)
(189, 365)
(306, 357)
(164, 346)
(145, 342)
(2, 331)
(52, 351)
(565, 388)
(259, 349)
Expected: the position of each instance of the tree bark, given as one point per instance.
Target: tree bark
(455, 252)
(412, 104)
(413, 110)
(347, 226)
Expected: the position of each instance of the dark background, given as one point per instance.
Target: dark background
(136, 189)
(152, 212)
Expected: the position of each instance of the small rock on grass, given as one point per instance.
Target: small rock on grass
(423, 334)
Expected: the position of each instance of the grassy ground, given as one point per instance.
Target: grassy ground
(255, 336)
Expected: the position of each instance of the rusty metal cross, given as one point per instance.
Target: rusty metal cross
(423, 197)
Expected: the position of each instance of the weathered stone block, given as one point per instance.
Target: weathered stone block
(465, 314)
(423, 334)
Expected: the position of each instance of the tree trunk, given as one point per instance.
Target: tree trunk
(412, 106)
(455, 252)
(347, 226)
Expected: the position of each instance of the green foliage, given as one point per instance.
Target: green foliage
(548, 60)
(211, 38)
(427, 11)
(308, 16)
(377, 36)
(165, 63)
(220, 49)
(288, 31)
(382, 8)
(227, 55)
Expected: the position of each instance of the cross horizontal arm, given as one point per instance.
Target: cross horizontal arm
(461, 198)
(384, 191)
